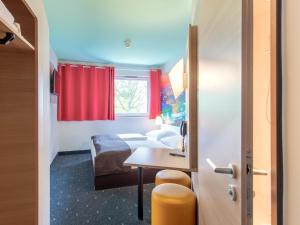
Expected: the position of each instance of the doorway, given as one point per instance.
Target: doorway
(266, 176)
(261, 112)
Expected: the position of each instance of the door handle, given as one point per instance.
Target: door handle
(260, 172)
(230, 169)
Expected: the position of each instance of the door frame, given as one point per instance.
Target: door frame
(276, 114)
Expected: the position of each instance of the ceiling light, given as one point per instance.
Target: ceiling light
(127, 43)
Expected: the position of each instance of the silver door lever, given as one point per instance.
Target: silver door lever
(230, 169)
(259, 172)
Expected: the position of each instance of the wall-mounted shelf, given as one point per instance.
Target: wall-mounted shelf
(20, 43)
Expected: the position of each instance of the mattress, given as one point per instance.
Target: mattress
(109, 152)
(132, 137)
(146, 143)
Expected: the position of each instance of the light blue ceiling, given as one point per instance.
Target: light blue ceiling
(95, 30)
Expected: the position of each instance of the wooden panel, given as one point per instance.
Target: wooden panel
(276, 116)
(19, 120)
(247, 113)
(25, 17)
(192, 97)
(261, 111)
(18, 139)
(20, 43)
(157, 158)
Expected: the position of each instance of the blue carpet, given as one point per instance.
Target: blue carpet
(75, 202)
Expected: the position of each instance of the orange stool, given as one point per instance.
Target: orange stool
(173, 176)
(173, 204)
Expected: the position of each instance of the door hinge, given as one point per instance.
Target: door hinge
(249, 202)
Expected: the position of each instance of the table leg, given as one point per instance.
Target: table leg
(140, 193)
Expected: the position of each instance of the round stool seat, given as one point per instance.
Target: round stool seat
(172, 176)
(173, 204)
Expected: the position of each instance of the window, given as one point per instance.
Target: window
(131, 96)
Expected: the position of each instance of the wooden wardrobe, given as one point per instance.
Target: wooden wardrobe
(19, 118)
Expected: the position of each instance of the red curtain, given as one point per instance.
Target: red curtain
(155, 105)
(85, 93)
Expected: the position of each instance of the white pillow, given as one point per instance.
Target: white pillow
(174, 142)
(156, 135)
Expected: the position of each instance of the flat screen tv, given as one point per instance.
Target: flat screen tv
(52, 82)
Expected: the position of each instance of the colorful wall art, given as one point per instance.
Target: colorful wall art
(173, 109)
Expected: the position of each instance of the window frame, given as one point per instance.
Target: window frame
(142, 78)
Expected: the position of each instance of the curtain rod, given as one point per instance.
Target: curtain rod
(116, 68)
(124, 69)
(86, 65)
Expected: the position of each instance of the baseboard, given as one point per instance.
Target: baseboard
(74, 152)
(53, 156)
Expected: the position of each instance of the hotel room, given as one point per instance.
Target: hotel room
(162, 112)
(132, 97)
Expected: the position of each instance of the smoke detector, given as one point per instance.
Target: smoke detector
(127, 43)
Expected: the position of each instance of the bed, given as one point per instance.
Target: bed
(110, 151)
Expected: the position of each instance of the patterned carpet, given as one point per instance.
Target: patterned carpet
(74, 202)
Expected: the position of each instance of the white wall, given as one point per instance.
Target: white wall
(54, 132)
(166, 68)
(53, 113)
(76, 135)
(291, 98)
(44, 109)
(53, 59)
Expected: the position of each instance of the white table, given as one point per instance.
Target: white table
(158, 158)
